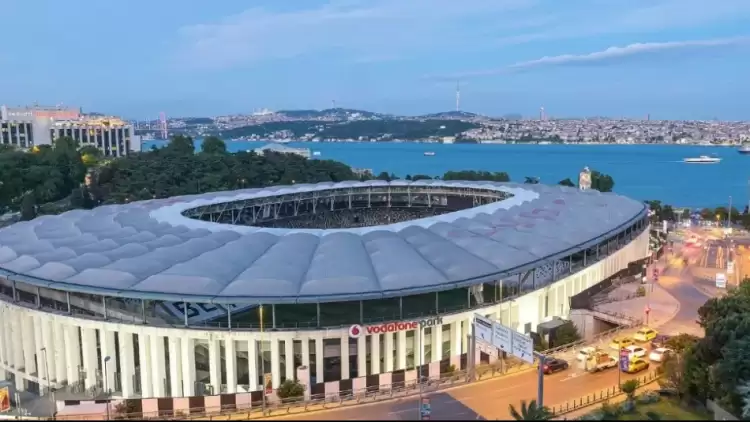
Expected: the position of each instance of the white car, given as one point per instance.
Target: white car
(658, 354)
(635, 352)
(585, 353)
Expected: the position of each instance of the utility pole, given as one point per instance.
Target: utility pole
(540, 379)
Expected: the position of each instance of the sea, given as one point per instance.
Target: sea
(643, 172)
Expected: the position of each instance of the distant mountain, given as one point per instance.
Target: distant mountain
(335, 113)
(451, 115)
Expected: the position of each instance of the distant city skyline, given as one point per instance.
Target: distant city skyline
(670, 59)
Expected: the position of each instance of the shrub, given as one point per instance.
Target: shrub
(290, 389)
(648, 397)
(641, 291)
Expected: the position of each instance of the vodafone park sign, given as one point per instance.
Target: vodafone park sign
(356, 330)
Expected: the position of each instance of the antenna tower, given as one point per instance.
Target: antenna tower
(542, 116)
(163, 125)
(458, 96)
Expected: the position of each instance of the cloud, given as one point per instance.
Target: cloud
(360, 29)
(608, 55)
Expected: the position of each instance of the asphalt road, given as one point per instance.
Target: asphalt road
(481, 400)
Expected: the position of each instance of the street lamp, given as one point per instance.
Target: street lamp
(106, 384)
(46, 374)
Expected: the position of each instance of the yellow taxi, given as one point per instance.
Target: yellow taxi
(637, 365)
(619, 343)
(645, 334)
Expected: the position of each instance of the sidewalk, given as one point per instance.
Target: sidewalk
(663, 306)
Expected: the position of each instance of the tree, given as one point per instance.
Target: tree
(682, 342)
(567, 182)
(531, 180)
(290, 389)
(213, 145)
(28, 207)
(530, 412)
(566, 334)
(602, 182)
(628, 387)
(181, 145)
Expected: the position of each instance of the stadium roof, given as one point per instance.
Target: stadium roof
(150, 250)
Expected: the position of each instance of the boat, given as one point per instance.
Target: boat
(316, 153)
(429, 153)
(745, 149)
(703, 159)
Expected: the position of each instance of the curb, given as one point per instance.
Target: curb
(641, 388)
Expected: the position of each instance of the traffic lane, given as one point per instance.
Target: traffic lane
(483, 400)
(690, 298)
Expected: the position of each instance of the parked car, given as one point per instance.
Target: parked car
(645, 334)
(637, 365)
(659, 354)
(635, 352)
(554, 365)
(621, 343)
(585, 353)
(659, 341)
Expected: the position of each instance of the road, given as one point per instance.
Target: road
(483, 400)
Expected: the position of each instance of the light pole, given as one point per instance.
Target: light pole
(46, 374)
(106, 384)
(418, 350)
(262, 360)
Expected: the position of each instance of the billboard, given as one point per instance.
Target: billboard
(4, 399)
(584, 179)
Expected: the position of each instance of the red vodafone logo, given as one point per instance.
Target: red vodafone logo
(355, 331)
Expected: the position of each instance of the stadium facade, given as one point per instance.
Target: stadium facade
(228, 291)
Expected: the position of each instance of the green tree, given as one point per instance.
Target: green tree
(290, 389)
(181, 145)
(213, 145)
(682, 342)
(628, 387)
(531, 180)
(602, 182)
(566, 334)
(530, 411)
(28, 207)
(567, 182)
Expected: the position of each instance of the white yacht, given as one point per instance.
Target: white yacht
(429, 153)
(703, 159)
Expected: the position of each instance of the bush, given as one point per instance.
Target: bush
(641, 291)
(648, 397)
(290, 389)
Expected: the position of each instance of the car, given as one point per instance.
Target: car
(637, 365)
(585, 353)
(635, 352)
(659, 354)
(645, 334)
(621, 343)
(554, 365)
(659, 341)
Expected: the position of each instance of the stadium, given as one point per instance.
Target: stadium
(226, 292)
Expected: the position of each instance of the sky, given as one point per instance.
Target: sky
(670, 59)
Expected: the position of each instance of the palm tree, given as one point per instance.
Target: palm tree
(530, 412)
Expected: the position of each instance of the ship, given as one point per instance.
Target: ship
(745, 149)
(429, 153)
(703, 159)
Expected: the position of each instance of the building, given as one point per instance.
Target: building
(207, 306)
(283, 149)
(26, 127)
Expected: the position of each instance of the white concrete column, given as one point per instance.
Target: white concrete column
(289, 359)
(58, 332)
(375, 353)
(388, 350)
(305, 350)
(456, 339)
(158, 366)
(419, 340)
(17, 328)
(127, 363)
(252, 363)
(50, 352)
(72, 353)
(231, 365)
(345, 357)
(188, 366)
(214, 365)
(27, 327)
(362, 356)
(275, 364)
(437, 343)
(3, 341)
(107, 344)
(38, 346)
(175, 367)
(319, 355)
(401, 348)
(144, 358)
(90, 363)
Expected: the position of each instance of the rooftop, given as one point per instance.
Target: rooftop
(150, 250)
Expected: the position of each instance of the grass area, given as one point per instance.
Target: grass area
(667, 410)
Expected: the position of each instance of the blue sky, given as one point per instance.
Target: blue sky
(670, 58)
